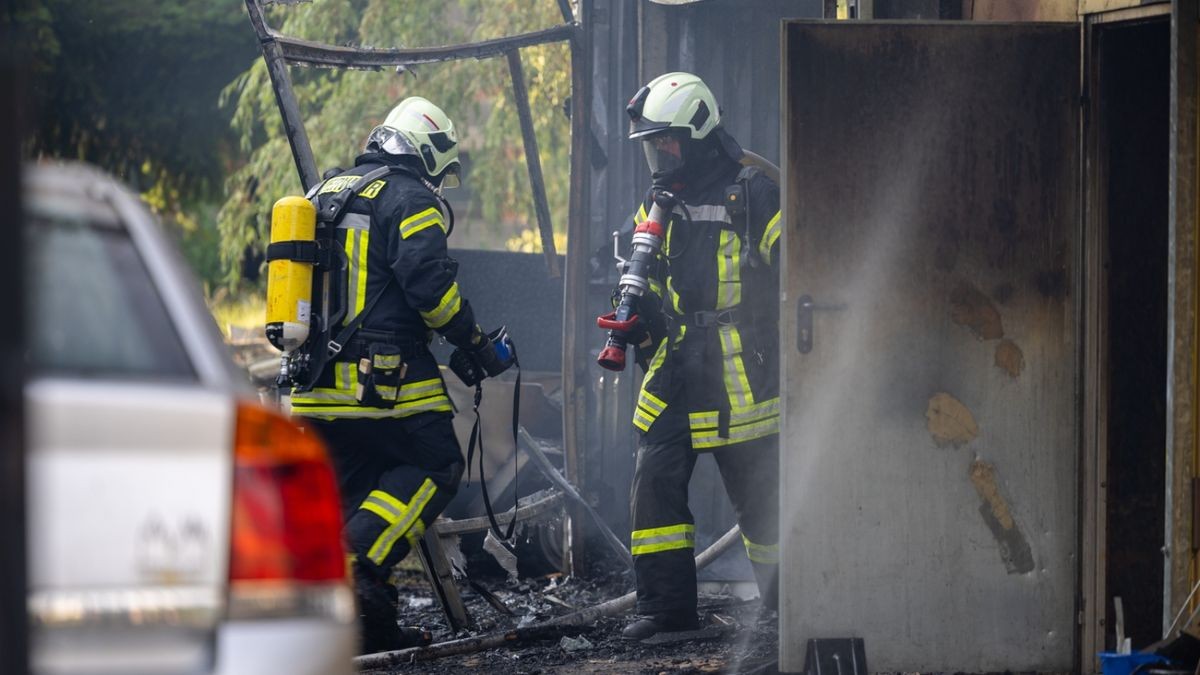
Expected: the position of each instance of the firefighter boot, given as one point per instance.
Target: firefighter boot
(377, 618)
(648, 626)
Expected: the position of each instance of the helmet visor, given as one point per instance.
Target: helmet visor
(664, 153)
(450, 177)
(387, 139)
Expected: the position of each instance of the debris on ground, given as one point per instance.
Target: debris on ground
(733, 637)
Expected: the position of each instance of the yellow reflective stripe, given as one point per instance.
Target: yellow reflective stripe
(729, 270)
(446, 308)
(659, 539)
(645, 413)
(360, 299)
(702, 439)
(767, 554)
(386, 361)
(737, 416)
(352, 275)
(770, 236)
(432, 404)
(656, 286)
(651, 402)
(415, 533)
(643, 420)
(674, 296)
(737, 385)
(415, 223)
(420, 389)
(385, 392)
(641, 215)
(384, 505)
(387, 539)
(413, 397)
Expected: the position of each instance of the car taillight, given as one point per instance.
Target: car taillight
(287, 518)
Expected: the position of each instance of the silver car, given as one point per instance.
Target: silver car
(175, 524)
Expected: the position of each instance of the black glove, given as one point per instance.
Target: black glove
(494, 356)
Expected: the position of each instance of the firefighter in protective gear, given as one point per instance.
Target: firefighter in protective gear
(380, 403)
(709, 333)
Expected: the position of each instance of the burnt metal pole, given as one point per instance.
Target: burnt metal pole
(293, 124)
(574, 363)
(14, 627)
(534, 163)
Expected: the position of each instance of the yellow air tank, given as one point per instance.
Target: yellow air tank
(289, 282)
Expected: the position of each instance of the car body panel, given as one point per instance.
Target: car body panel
(130, 474)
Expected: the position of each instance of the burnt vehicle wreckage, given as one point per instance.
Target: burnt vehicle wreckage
(550, 515)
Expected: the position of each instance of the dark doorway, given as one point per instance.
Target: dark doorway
(1133, 98)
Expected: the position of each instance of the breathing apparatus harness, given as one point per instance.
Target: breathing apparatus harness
(301, 366)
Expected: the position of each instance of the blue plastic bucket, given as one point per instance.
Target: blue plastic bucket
(1112, 663)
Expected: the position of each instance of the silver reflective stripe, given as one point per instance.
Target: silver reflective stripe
(352, 274)
(355, 221)
(706, 212)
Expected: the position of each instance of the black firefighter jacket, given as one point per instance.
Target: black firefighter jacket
(715, 367)
(393, 236)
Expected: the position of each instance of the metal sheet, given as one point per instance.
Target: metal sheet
(930, 468)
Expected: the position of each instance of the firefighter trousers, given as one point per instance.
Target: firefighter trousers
(663, 538)
(395, 476)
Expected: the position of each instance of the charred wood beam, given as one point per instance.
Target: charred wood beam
(285, 97)
(542, 502)
(549, 629)
(533, 162)
(305, 52)
(542, 462)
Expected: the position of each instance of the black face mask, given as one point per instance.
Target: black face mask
(674, 173)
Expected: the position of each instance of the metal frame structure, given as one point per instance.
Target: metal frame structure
(281, 50)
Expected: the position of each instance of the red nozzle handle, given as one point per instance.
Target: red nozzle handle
(612, 358)
(609, 321)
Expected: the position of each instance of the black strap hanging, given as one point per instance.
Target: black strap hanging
(476, 433)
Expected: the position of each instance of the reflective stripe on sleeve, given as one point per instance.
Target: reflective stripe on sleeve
(649, 406)
(767, 554)
(770, 236)
(447, 307)
(415, 223)
(660, 539)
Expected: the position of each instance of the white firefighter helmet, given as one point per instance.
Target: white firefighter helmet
(419, 128)
(673, 101)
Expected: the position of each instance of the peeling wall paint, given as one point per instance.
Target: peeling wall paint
(971, 308)
(1010, 358)
(949, 421)
(1014, 548)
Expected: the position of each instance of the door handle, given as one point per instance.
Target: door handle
(804, 320)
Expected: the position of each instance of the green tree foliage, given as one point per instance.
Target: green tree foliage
(133, 87)
(340, 107)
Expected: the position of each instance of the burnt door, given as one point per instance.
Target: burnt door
(931, 343)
